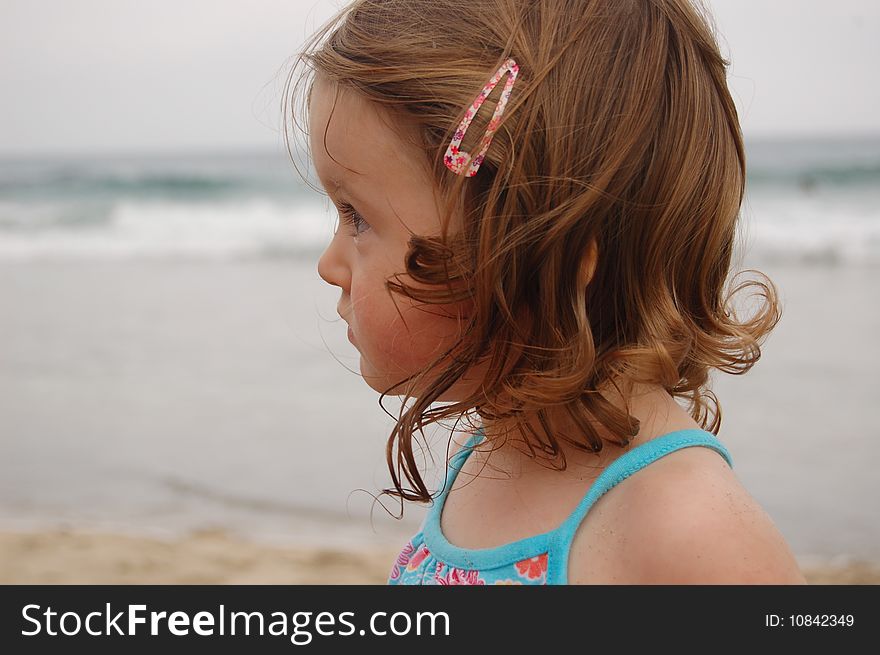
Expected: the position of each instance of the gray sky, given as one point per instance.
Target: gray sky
(122, 75)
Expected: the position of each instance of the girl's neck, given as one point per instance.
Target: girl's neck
(505, 451)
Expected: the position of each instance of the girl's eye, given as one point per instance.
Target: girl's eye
(351, 217)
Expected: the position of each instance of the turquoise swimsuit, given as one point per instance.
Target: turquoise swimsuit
(429, 559)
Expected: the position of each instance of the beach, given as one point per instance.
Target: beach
(205, 557)
(179, 401)
(166, 435)
(214, 557)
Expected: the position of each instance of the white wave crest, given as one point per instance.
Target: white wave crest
(254, 228)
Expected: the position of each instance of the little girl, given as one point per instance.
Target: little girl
(551, 272)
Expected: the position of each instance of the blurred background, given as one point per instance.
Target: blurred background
(178, 399)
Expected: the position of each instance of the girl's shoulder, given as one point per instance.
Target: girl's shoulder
(686, 519)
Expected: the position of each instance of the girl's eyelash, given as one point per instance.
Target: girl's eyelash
(351, 217)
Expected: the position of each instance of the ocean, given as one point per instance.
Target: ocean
(171, 361)
(807, 201)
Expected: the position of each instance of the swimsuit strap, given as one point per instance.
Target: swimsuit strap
(618, 471)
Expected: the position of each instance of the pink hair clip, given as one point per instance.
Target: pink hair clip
(461, 162)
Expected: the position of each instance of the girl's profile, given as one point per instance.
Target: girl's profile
(537, 248)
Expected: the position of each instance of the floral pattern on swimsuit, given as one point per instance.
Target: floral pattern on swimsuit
(417, 565)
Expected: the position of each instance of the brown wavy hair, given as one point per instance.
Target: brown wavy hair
(597, 237)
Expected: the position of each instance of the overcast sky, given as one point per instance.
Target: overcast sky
(169, 75)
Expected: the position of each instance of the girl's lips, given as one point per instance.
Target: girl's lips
(350, 334)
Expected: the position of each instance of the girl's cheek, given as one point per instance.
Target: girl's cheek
(401, 335)
(431, 335)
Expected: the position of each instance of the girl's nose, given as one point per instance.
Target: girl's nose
(332, 267)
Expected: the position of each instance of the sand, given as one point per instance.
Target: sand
(215, 557)
(206, 557)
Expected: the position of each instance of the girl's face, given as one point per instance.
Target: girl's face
(388, 195)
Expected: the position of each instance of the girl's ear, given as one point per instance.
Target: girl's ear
(588, 264)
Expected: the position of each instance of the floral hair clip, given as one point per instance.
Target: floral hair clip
(461, 162)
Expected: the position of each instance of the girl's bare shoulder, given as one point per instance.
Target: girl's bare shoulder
(685, 519)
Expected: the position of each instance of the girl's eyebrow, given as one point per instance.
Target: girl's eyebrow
(339, 185)
(344, 192)
(334, 185)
